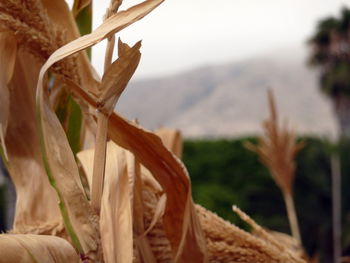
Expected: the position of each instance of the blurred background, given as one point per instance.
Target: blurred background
(205, 69)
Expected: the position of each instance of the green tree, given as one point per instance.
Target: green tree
(331, 53)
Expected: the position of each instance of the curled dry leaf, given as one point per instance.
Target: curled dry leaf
(36, 248)
(180, 220)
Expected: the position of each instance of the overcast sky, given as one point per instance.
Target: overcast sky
(184, 34)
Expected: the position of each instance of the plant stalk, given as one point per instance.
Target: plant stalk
(292, 216)
(99, 161)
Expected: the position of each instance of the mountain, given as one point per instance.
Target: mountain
(230, 99)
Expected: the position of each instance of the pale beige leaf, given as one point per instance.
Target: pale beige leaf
(36, 248)
(116, 215)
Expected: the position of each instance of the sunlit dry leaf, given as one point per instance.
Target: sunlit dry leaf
(36, 248)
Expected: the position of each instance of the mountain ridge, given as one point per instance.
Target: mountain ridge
(229, 100)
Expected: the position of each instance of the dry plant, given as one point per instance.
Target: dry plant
(128, 198)
(277, 150)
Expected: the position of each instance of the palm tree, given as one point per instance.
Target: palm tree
(331, 53)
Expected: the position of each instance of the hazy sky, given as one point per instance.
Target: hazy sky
(183, 34)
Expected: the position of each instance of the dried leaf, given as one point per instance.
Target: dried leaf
(117, 76)
(36, 248)
(171, 138)
(116, 215)
(81, 222)
(36, 207)
(180, 220)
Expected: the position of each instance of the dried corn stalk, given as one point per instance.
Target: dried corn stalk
(143, 189)
(277, 150)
